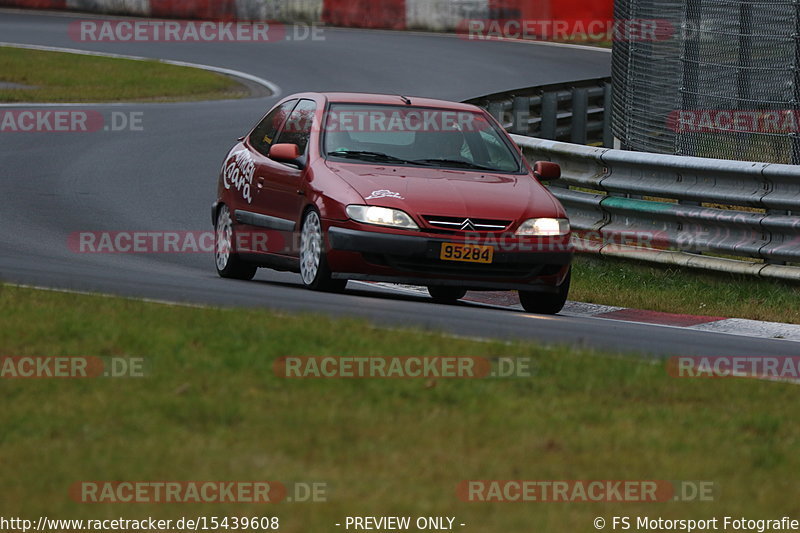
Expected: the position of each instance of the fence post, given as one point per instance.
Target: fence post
(608, 114)
(549, 115)
(521, 111)
(580, 108)
(496, 110)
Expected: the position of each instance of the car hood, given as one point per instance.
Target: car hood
(451, 193)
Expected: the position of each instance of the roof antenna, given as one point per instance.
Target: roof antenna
(406, 99)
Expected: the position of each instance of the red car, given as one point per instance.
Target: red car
(340, 186)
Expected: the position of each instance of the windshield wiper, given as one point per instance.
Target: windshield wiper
(454, 163)
(367, 156)
(386, 158)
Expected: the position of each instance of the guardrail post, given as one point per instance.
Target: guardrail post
(608, 108)
(496, 110)
(521, 111)
(779, 212)
(580, 107)
(549, 115)
(690, 203)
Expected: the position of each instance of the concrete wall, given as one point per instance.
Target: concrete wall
(436, 15)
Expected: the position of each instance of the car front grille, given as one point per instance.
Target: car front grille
(459, 224)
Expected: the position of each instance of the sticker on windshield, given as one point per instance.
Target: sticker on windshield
(239, 172)
(384, 194)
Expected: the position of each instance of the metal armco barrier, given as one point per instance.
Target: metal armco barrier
(577, 112)
(662, 208)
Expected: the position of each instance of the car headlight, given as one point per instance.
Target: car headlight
(381, 216)
(544, 227)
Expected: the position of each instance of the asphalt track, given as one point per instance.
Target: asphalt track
(164, 178)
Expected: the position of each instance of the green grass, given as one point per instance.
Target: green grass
(211, 409)
(64, 77)
(610, 281)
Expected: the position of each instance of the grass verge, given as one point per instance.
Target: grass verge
(611, 281)
(212, 409)
(63, 77)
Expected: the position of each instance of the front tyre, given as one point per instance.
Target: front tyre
(546, 303)
(314, 268)
(446, 294)
(229, 264)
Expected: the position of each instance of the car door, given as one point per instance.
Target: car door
(256, 212)
(278, 186)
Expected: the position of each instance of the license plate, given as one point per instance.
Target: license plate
(468, 253)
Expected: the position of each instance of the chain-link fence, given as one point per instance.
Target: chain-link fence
(714, 78)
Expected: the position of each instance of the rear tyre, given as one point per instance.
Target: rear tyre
(447, 294)
(314, 268)
(229, 264)
(546, 303)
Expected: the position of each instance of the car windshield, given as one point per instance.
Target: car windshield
(423, 136)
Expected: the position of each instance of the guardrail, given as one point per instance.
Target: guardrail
(676, 209)
(578, 112)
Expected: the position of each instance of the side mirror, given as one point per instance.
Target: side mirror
(285, 153)
(546, 171)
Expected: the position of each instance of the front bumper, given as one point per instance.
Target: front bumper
(526, 265)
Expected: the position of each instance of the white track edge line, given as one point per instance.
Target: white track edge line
(272, 87)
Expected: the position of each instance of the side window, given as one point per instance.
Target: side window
(297, 129)
(499, 154)
(263, 135)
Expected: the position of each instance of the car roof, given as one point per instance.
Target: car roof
(387, 99)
